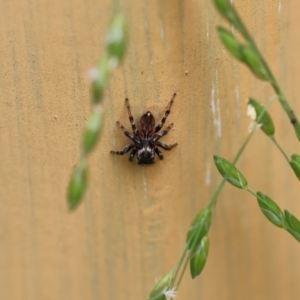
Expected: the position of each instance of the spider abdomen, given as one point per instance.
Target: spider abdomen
(147, 124)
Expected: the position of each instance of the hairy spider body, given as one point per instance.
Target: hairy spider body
(146, 138)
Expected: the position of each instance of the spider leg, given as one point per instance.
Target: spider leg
(131, 118)
(167, 112)
(126, 149)
(128, 134)
(157, 136)
(165, 146)
(160, 155)
(132, 154)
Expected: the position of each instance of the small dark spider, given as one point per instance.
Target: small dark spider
(145, 139)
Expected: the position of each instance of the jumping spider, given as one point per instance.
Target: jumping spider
(145, 139)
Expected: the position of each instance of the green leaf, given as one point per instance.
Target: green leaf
(117, 38)
(271, 210)
(295, 164)
(263, 117)
(230, 172)
(231, 43)
(229, 13)
(293, 225)
(161, 287)
(77, 184)
(101, 79)
(252, 59)
(199, 228)
(92, 130)
(198, 260)
(295, 124)
(223, 6)
(116, 42)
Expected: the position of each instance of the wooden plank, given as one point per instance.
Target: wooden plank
(131, 226)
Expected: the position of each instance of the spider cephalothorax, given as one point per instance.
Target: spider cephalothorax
(146, 138)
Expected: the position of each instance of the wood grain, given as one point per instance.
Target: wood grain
(131, 227)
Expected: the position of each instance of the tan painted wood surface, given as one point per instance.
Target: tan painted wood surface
(131, 226)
